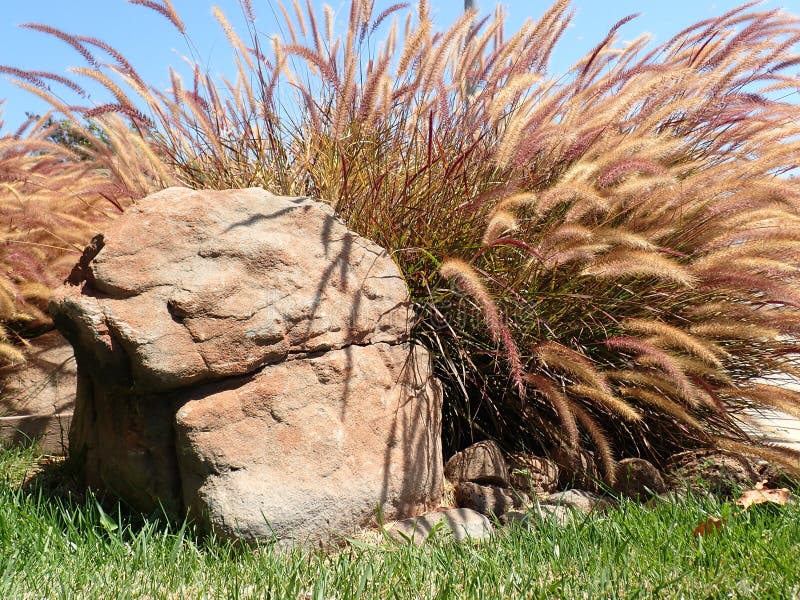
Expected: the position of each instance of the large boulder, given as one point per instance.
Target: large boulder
(36, 399)
(313, 444)
(245, 357)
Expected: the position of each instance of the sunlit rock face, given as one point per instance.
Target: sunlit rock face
(245, 357)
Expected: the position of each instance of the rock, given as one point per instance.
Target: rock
(37, 399)
(490, 500)
(517, 517)
(244, 357)
(283, 455)
(579, 500)
(774, 475)
(638, 479)
(462, 523)
(531, 473)
(577, 469)
(558, 513)
(708, 470)
(194, 286)
(482, 463)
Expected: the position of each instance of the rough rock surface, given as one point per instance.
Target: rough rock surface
(487, 499)
(312, 445)
(244, 356)
(638, 479)
(579, 500)
(531, 473)
(558, 513)
(774, 475)
(36, 400)
(464, 525)
(715, 471)
(577, 470)
(482, 462)
(191, 286)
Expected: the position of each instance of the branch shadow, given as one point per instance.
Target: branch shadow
(415, 433)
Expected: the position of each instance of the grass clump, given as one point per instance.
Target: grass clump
(70, 548)
(60, 181)
(603, 259)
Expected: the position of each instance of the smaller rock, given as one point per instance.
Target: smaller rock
(517, 517)
(537, 514)
(577, 469)
(490, 500)
(774, 475)
(37, 398)
(579, 500)
(638, 479)
(531, 473)
(555, 512)
(462, 523)
(482, 462)
(709, 470)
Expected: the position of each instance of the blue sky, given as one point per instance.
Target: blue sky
(151, 44)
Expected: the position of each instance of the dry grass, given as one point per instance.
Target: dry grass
(53, 198)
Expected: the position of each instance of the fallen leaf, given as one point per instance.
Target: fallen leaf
(762, 495)
(711, 525)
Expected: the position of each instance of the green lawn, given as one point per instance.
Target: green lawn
(51, 547)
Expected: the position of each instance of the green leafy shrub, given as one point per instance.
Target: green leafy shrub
(603, 259)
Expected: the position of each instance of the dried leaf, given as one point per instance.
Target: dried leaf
(762, 495)
(711, 525)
